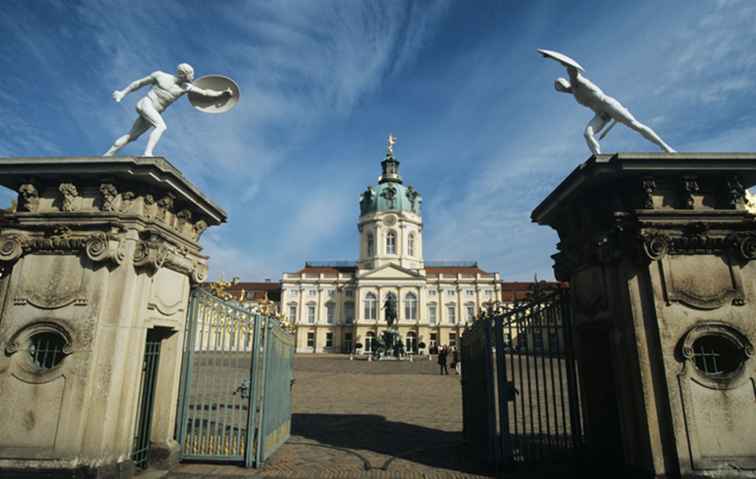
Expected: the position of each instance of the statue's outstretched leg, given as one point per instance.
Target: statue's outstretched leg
(150, 114)
(650, 135)
(596, 124)
(140, 126)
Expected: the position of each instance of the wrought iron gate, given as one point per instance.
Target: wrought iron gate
(235, 365)
(519, 382)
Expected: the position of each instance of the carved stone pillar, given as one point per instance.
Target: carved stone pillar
(658, 250)
(99, 253)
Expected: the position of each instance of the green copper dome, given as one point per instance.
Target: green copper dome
(390, 194)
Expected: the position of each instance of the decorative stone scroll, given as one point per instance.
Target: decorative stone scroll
(98, 246)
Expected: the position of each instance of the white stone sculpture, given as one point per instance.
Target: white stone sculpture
(750, 202)
(607, 109)
(166, 89)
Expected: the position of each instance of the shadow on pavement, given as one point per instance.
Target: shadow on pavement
(369, 432)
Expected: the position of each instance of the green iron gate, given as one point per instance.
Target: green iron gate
(519, 383)
(236, 383)
(141, 447)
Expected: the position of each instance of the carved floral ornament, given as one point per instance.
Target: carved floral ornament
(658, 245)
(151, 254)
(111, 201)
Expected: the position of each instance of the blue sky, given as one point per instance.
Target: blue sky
(481, 132)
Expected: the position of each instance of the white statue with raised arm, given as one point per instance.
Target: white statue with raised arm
(607, 109)
(166, 89)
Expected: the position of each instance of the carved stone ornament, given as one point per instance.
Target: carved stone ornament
(690, 188)
(736, 192)
(165, 206)
(151, 254)
(199, 228)
(149, 205)
(97, 246)
(109, 195)
(649, 186)
(656, 246)
(28, 198)
(199, 272)
(183, 218)
(69, 194)
(127, 199)
(746, 246)
(11, 248)
(100, 247)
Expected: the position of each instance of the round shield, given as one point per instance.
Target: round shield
(220, 104)
(561, 58)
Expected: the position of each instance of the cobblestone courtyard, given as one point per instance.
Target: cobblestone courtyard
(366, 419)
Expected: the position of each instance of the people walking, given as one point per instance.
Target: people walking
(455, 360)
(443, 353)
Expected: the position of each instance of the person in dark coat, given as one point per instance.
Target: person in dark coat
(455, 360)
(443, 353)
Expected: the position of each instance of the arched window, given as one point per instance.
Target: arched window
(410, 307)
(370, 306)
(369, 337)
(370, 244)
(411, 245)
(391, 242)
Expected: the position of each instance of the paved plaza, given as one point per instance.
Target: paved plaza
(368, 420)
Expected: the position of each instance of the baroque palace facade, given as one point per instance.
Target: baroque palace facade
(339, 306)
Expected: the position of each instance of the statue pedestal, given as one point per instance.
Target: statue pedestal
(96, 265)
(659, 250)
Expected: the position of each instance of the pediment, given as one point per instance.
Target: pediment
(390, 271)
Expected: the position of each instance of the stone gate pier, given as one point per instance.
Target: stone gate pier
(96, 263)
(659, 251)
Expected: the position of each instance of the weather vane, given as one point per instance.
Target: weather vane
(391, 142)
(209, 94)
(608, 110)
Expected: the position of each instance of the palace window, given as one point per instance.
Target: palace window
(489, 293)
(391, 242)
(331, 293)
(312, 292)
(311, 340)
(411, 342)
(410, 307)
(433, 342)
(330, 313)
(451, 313)
(370, 306)
(450, 292)
(469, 293)
(311, 313)
(329, 340)
(369, 337)
(349, 293)
(432, 313)
(370, 244)
(470, 310)
(293, 312)
(348, 313)
(452, 340)
(411, 244)
(431, 292)
(347, 344)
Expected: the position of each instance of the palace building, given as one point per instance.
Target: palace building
(338, 306)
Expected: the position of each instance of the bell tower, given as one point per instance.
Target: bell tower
(390, 224)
